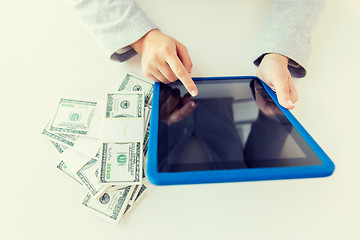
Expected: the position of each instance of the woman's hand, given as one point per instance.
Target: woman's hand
(165, 59)
(273, 70)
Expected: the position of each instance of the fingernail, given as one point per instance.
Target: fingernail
(193, 93)
(193, 104)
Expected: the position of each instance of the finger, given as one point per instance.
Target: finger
(149, 75)
(167, 72)
(178, 68)
(182, 113)
(283, 93)
(158, 75)
(272, 88)
(293, 92)
(184, 56)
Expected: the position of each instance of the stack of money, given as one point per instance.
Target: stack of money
(102, 145)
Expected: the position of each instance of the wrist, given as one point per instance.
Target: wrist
(139, 45)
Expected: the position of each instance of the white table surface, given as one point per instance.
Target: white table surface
(46, 52)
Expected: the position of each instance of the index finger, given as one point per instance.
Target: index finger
(181, 73)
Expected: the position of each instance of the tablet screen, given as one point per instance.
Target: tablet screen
(231, 124)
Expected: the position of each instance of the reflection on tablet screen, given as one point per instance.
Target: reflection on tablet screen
(231, 124)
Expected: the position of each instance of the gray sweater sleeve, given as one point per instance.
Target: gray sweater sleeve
(114, 23)
(288, 32)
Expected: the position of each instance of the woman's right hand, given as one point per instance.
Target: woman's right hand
(165, 59)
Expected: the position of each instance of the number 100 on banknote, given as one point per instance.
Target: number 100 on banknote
(73, 116)
(121, 160)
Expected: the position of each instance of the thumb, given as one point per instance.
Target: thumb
(283, 93)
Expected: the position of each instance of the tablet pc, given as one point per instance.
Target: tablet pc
(233, 130)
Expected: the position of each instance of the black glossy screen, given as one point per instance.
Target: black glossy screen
(231, 124)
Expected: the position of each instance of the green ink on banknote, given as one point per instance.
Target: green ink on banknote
(108, 170)
(121, 159)
(74, 117)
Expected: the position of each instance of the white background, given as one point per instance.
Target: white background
(46, 52)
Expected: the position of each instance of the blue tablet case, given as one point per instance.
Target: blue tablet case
(233, 175)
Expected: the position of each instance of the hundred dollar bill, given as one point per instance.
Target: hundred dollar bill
(73, 116)
(121, 163)
(125, 105)
(127, 209)
(59, 147)
(136, 196)
(84, 145)
(132, 83)
(111, 204)
(146, 139)
(144, 187)
(147, 113)
(62, 138)
(62, 167)
(144, 167)
(132, 197)
(98, 154)
(89, 176)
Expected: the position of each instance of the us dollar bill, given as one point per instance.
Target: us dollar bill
(62, 167)
(121, 160)
(73, 116)
(137, 195)
(64, 142)
(143, 189)
(121, 163)
(146, 139)
(59, 147)
(114, 175)
(132, 83)
(124, 105)
(134, 194)
(111, 204)
(61, 138)
(147, 113)
(89, 176)
(132, 197)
